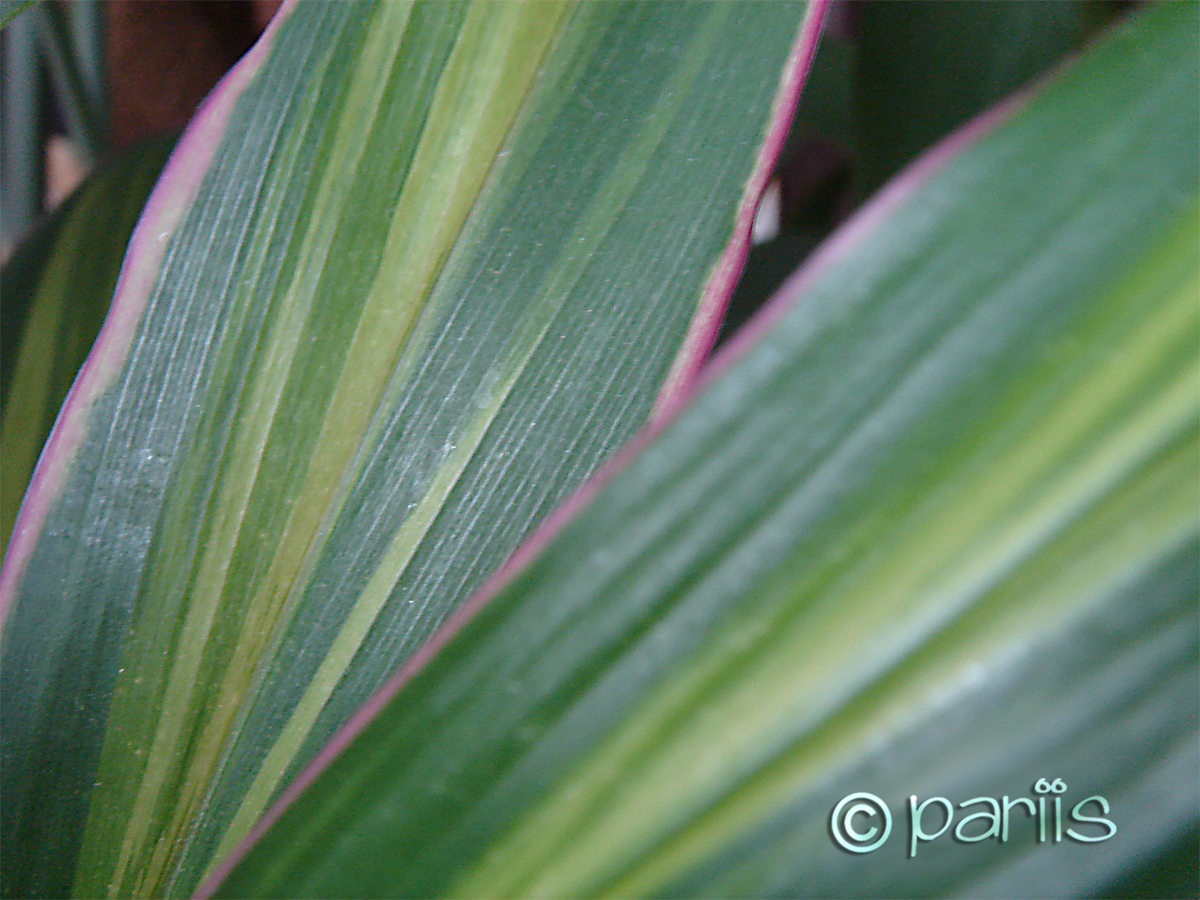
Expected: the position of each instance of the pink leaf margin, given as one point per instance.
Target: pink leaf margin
(706, 324)
(177, 186)
(679, 386)
(672, 402)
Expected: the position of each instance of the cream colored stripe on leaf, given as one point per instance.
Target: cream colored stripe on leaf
(1099, 444)
(361, 103)
(587, 235)
(1147, 517)
(501, 45)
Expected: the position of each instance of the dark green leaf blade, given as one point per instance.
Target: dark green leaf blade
(925, 67)
(54, 304)
(10, 9)
(967, 443)
(415, 271)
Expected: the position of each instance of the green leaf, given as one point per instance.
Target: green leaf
(925, 67)
(56, 293)
(22, 126)
(73, 42)
(412, 273)
(930, 529)
(10, 9)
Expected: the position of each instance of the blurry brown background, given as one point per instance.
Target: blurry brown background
(164, 55)
(162, 59)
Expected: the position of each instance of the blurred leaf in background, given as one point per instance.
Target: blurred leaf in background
(414, 271)
(55, 107)
(890, 79)
(929, 528)
(57, 288)
(80, 79)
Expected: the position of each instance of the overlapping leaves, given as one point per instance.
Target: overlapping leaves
(415, 270)
(932, 530)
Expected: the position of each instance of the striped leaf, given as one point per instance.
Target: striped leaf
(56, 292)
(411, 274)
(930, 529)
